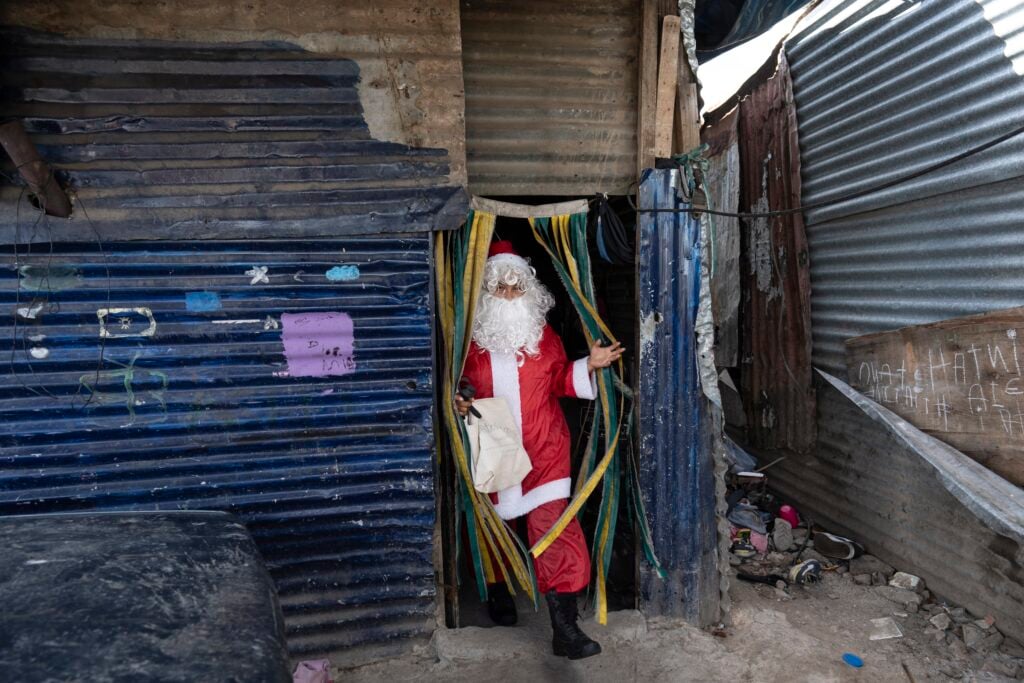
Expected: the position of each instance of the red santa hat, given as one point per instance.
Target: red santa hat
(502, 252)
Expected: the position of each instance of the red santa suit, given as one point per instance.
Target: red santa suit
(532, 386)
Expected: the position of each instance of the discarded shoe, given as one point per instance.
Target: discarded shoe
(837, 547)
(568, 639)
(808, 571)
(743, 549)
(501, 607)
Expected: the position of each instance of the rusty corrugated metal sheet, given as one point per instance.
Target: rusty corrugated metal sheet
(551, 96)
(776, 356)
(866, 483)
(146, 360)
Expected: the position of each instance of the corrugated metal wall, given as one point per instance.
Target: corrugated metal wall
(551, 96)
(879, 97)
(178, 394)
(866, 483)
(676, 463)
(884, 89)
(776, 340)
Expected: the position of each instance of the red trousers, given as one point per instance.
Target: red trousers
(565, 566)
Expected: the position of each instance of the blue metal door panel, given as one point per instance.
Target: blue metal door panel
(676, 466)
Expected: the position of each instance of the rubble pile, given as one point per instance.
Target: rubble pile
(773, 544)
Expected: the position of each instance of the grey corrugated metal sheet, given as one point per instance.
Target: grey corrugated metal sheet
(551, 96)
(333, 476)
(866, 483)
(882, 96)
(172, 149)
(172, 141)
(676, 463)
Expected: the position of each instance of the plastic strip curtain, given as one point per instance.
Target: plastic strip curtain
(461, 255)
(564, 238)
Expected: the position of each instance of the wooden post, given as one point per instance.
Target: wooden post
(34, 170)
(668, 78)
(648, 81)
(687, 114)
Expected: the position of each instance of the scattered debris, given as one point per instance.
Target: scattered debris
(884, 629)
(782, 535)
(907, 582)
(941, 621)
(853, 660)
(908, 600)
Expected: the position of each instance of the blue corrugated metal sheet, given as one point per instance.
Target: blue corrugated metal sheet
(173, 149)
(676, 463)
(332, 475)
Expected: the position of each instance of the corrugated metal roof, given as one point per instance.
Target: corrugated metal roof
(332, 475)
(176, 141)
(676, 463)
(883, 90)
(551, 96)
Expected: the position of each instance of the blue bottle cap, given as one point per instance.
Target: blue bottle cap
(853, 660)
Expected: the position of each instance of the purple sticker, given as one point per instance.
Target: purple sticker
(318, 344)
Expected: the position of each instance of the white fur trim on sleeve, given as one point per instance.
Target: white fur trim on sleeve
(583, 382)
(512, 502)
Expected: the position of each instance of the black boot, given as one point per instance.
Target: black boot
(500, 605)
(568, 641)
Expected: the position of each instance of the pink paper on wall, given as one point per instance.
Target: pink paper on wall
(318, 344)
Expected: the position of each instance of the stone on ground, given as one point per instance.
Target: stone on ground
(907, 582)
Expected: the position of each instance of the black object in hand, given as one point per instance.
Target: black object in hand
(467, 391)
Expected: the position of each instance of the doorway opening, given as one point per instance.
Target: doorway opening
(615, 287)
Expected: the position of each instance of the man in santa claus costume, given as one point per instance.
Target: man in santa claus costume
(517, 356)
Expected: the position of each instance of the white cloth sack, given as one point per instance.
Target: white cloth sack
(498, 457)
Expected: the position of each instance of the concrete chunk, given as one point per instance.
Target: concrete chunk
(941, 621)
(909, 600)
(907, 582)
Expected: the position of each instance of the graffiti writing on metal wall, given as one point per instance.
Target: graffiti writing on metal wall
(318, 344)
(132, 386)
(123, 323)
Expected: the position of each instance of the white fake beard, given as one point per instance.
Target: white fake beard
(509, 325)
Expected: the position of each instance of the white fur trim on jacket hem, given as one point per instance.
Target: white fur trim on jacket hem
(583, 382)
(513, 503)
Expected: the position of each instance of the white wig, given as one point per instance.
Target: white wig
(510, 326)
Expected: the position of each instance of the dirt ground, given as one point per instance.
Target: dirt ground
(796, 635)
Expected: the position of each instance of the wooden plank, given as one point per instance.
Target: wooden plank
(668, 77)
(687, 111)
(648, 84)
(959, 380)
